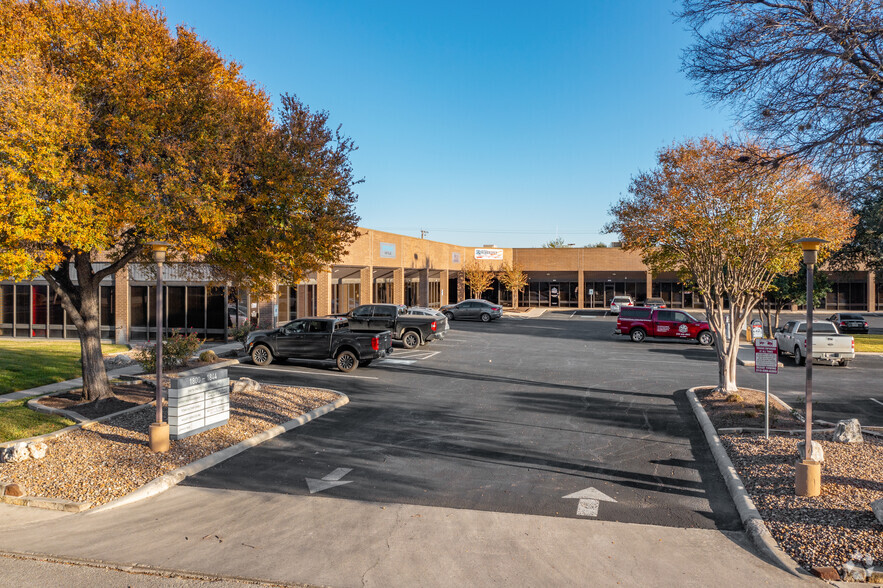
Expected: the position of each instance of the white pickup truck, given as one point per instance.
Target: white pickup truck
(827, 342)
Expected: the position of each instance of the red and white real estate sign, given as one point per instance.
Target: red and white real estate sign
(766, 356)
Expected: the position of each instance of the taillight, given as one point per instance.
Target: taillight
(853, 344)
(433, 325)
(375, 343)
(866, 324)
(842, 323)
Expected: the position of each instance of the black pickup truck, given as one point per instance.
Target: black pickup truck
(411, 329)
(318, 338)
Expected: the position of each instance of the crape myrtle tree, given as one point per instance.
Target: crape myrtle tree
(115, 132)
(478, 278)
(512, 276)
(728, 226)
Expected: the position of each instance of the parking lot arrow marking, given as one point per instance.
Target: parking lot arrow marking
(589, 500)
(330, 481)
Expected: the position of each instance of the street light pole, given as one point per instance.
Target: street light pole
(808, 481)
(158, 433)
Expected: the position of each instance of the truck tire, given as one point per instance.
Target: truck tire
(705, 338)
(798, 358)
(261, 355)
(485, 317)
(844, 362)
(346, 361)
(411, 339)
(638, 335)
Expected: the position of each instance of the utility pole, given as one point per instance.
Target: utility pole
(423, 233)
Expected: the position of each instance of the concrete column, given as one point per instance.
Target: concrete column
(423, 288)
(649, 285)
(323, 291)
(444, 278)
(284, 294)
(302, 309)
(398, 286)
(461, 287)
(366, 285)
(581, 288)
(121, 306)
(872, 292)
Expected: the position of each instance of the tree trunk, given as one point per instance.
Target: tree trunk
(95, 383)
(514, 298)
(81, 301)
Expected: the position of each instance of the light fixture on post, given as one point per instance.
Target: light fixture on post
(808, 478)
(158, 433)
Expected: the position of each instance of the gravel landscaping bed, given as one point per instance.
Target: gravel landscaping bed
(826, 530)
(111, 459)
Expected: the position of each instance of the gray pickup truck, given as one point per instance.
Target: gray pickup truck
(318, 338)
(411, 329)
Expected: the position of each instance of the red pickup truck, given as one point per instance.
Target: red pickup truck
(640, 322)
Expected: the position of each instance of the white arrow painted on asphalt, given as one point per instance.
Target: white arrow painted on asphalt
(329, 481)
(589, 499)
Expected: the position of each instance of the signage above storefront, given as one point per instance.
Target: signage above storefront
(455, 257)
(488, 254)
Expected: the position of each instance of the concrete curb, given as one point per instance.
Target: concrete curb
(754, 526)
(173, 478)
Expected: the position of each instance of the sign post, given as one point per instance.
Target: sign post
(766, 361)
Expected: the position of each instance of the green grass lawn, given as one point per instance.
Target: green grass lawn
(869, 343)
(17, 421)
(27, 363)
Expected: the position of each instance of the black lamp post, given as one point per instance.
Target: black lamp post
(808, 480)
(158, 434)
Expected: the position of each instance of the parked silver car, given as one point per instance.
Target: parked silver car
(473, 309)
(422, 310)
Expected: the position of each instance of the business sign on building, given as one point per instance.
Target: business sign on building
(455, 257)
(388, 250)
(488, 254)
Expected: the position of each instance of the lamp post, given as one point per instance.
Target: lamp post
(808, 480)
(158, 434)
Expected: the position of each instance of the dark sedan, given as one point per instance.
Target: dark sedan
(849, 323)
(473, 309)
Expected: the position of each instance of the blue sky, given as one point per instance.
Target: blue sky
(503, 123)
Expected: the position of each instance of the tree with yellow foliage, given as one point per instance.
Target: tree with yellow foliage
(729, 226)
(115, 132)
(478, 278)
(513, 277)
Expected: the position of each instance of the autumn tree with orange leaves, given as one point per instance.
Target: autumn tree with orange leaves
(115, 132)
(727, 225)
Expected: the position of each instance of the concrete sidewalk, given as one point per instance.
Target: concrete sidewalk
(328, 541)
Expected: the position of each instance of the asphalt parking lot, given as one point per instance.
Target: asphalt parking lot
(552, 416)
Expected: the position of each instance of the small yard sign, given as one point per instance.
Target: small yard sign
(766, 356)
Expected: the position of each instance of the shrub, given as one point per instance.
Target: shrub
(734, 397)
(750, 414)
(208, 356)
(241, 332)
(177, 349)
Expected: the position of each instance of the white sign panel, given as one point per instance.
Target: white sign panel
(488, 254)
(766, 356)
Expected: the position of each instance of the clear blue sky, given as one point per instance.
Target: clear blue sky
(481, 122)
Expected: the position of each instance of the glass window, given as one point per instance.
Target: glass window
(217, 318)
(56, 310)
(22, 305)
(138, 306)
(107, 302)
(176, 309)
(7, 305)
(666, 315)
(292, 301)
(196, 308)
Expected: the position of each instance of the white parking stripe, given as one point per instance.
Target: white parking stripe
(392, 362)
(293, 371)
(877, 401)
